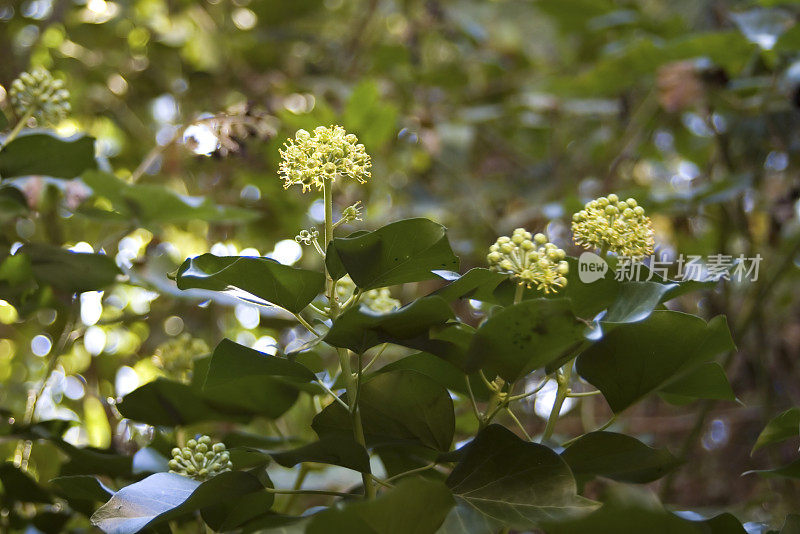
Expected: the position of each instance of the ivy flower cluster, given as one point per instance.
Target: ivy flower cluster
(614, 225)
(310, 159)
(200, 459)
(39, 95)
(531, 260)
(378, 300)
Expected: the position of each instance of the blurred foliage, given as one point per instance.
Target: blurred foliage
(481, 115)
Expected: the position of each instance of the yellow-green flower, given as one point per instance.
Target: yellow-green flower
(39, 94)
(378, 300)
(531, 260)
(309, 159)
(200, 460)
(614, 225)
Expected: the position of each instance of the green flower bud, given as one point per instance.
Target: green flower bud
(200, 459)
(530, 259)
(598, 227)
(39, 94)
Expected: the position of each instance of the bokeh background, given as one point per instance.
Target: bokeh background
(482, 115)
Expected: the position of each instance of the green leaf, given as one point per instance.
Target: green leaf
(464, 518)
(517, 482)
(153, 204)
(524, 337)
(626, 511)
(636, 359)
(72, 272)
(242, 378)
(46, 154)
(167, 403)
(18, 486)
(617, 456)
(82, 487)
(706, 382)
(441, 371)
(415, 505)
(400, 407)
(358, 329)
(400, 252)
(333, 450)
(163, 497)
(780, 428)
(791, 470)
(636, 301)
(259, 280)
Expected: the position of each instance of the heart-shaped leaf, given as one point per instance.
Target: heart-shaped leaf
(245, 379)
(259, 280)
(400, 252)
(359, 329)
(415, 505)
(780, 428)
(400, 407)
(617, 456)
(517, 482)
(706, 382)
(45, 154)
(163, 497)
(333, 450)
(524, 337)
(636, 359)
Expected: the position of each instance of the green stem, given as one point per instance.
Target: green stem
(562, 379)
(308, 492)
(298, 483)
(351, 382)
(518, 294)
(17, 128)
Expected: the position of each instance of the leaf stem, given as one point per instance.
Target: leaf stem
(562, 379)
(519, 423)
(375, 358)
(308, 492)
(412, 471)
(570, 394)
(306, 324)
(17, 128)
(332, 394)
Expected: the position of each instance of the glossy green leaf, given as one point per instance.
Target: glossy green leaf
(163, 497)
(635, 301)
(628, 513)
(82, 487)
(524, 337)
(400, 252)
(706, 382)
(617, 456)
(155, 204)
(463, 518)
(780, 428)
(415, 505)
(19, 486)
(46, 154)
(259, 280)
(634, 360)
(242, 378)
(399, 407)
(441, 371)
(333, 450)
(515, 481)
(358, 329)
(167, 403)
(791, 470)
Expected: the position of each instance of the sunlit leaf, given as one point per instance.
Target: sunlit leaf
(780, 428)
(403, 251)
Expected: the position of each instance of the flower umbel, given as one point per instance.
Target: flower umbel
(614, 225)
(39, 94)
(353, 213)
(531, 260)
(309, 159)
(200, 459)
(378, 300)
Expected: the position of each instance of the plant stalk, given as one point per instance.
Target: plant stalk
(351, 382)
(17, 128)
(562, 379)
